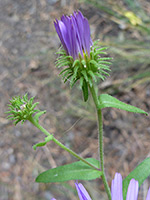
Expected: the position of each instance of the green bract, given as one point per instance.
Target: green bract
(86, 69)
(22, 109)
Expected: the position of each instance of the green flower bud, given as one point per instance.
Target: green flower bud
(86, 68)
(22, 109)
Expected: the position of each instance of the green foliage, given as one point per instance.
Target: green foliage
(41, 144)
(21, 109)
(74, 171)
(86, 69)
(106, 101)
(140, 173)
(85, 90)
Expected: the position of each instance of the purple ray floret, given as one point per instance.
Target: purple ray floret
(148, 195)
(133, 188)
(74, 34)
(82, 193)
(116, 187)
(116, 190)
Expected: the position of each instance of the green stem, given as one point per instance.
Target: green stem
(101, 148)
(36, 124)
(74, 154)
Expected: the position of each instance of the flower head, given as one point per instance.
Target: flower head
(80, 56)
(22, 109)
(74, 33)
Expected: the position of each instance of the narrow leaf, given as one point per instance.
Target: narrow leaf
(68, 68)
(90, 82)
(74, 171)
(99, 75)
(67, 78)
(69, 71)
(36, 117)
(109, 101)
(74, 74)
(85, 75)
(76, 62)
(92, 75)
(105, 58)
(81, 82)
(41, 144)
(63, 64)
(85, 90)
(61, 52)
(104, 67)
(104, 62)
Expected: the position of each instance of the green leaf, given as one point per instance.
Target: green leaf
(85, 90)
(140, 173)
(36, 116)
(76, 62)
(74, 171)
(105, 67)
(67, 78)
(61, 52)
(94, 63)
(105, 58)
(81, 82)
(63, 64)
(106, 101)
(85, 75)
(100, 76)
(92, 75)
(64, 70)
(73, 82)
(104, 62)
(39, 145)
(68, 72)
(74, 75)
(90, 82)
(99, 52)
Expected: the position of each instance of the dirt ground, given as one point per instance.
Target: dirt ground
(27, 64)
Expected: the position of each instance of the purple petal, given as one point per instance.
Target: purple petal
(148, 195)
(116, 187)
(61, 31)
(82, 193)
(74, 33)
(133, 188)
(87, 36)
(67, 22)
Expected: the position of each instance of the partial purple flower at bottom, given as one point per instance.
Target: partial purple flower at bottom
(82, 193)
(133, 188)
(116, 190)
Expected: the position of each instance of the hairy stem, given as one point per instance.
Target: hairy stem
(100, 130)
(36, 124)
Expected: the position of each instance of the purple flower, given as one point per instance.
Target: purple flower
(148, 195)
(132, 193)
(74, 34)
(116, 190)
(82, 193)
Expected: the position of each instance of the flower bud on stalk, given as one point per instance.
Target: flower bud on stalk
(80, 56)
(22, 109)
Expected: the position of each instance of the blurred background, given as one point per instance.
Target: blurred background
(28, 43)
